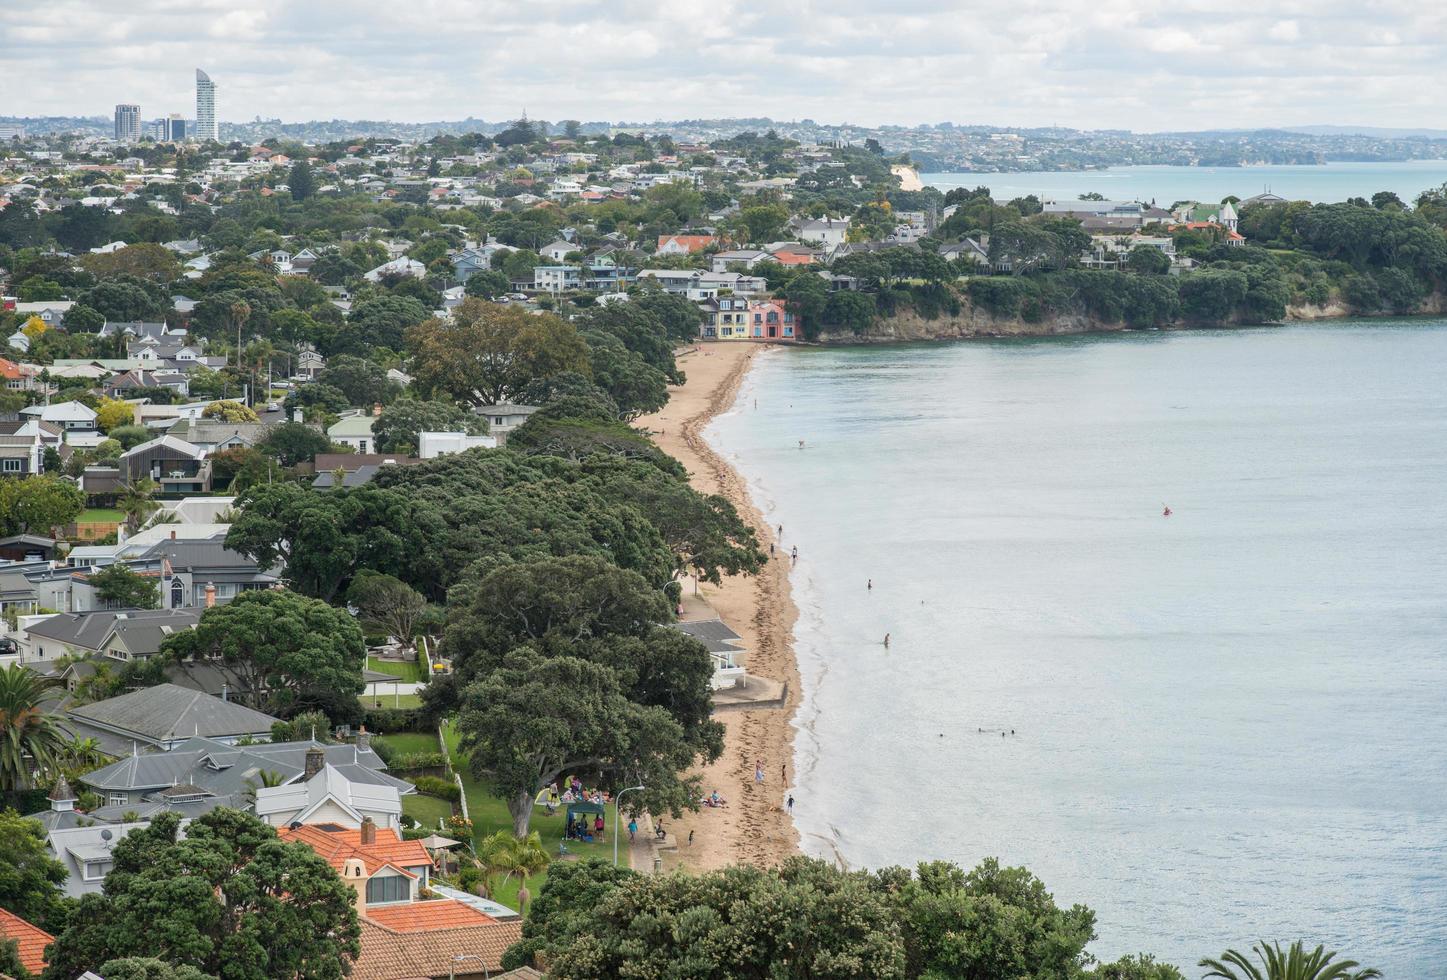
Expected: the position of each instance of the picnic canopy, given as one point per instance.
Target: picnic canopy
(585, 809)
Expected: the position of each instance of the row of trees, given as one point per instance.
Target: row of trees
(807, 918)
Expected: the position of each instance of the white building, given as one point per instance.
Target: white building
(430, 445)
(330, 797)
(206, 128)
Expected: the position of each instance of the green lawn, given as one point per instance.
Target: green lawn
(406, 670)
(100, 515)
(389, 700)
(408, 742)
(489, 814)
(427, 810)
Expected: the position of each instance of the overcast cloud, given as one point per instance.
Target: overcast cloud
(1137, 64)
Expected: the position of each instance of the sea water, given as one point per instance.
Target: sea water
(1213, 727)
(1165, 185)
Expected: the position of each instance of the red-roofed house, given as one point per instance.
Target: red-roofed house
(405, 937)
(795, 255)
(684, 244)
(29, 940)
(392, 869)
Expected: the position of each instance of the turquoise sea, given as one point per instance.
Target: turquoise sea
(1221, 725)
(1165, 185)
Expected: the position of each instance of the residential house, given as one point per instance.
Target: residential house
(405, 935)
(70, 416)
(330, 797)
(724, 647)
(556, 278)
(85, 850)
(126, 384)
(117, 634)
(684, 244)
(200, 573)
(213, 435)
(51, 312)
(503, 418)
(23, 445)
(164, 716)
(771, 319)
(18, 377)
(174, 465)
(354, 429)
(355, 469)
(430, 445)
(791, 253)
(309, 363)
(725, 318)
(739, 258)
(402, 266)
(828, 232)
(557, 251)
(219, 770)
(30, 941)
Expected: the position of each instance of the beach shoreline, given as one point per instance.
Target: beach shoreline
(754, 828)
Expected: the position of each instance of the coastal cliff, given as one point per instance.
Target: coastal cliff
(908, 324)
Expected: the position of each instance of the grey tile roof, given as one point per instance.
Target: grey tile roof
(714, 634)
(167, 711)
(89, 630)
(225, 769)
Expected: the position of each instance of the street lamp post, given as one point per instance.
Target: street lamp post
(618, 818)
(460, 957)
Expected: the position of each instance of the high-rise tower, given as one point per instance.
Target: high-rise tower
(206, 107)
(128, 123)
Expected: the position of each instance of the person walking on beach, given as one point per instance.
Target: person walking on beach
(790, 805)
(758, 770)
(690, 838)
(795, 555)
(781, 532)
(870, 586)
(771, 549)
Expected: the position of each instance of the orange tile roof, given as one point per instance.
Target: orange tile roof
(391, 955)
(442, 913)
(30, 940)
(693, 243)
(336, 846)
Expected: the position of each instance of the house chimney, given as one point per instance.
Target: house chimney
(210, 595)
(315, 760)
(354, 873)
(364, 739)
(225, 691)
(369, 831)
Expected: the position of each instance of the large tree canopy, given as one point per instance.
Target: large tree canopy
(229, 900)
(283, 653)
(30, 878)
(486, 352)
(567, 668)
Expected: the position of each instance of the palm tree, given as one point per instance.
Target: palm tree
(264, 780)
(1294, 964)
(531, 857)
(502, 853)
(85, 752)
(136, 503)
(30, 739)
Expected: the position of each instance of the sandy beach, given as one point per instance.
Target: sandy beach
(754, 827)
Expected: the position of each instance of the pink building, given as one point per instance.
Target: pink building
(771, 319)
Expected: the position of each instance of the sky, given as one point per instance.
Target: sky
(1145, 65)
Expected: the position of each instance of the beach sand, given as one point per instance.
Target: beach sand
(753, 828)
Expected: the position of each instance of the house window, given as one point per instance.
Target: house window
(96, 870)
(392, 888)
(14, 465)
(119, 799)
